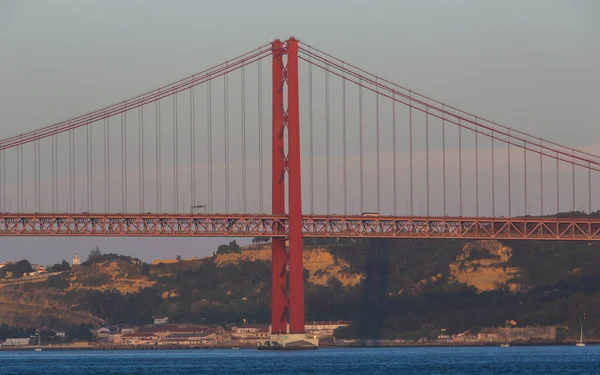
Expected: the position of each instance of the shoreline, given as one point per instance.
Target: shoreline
(254, 347)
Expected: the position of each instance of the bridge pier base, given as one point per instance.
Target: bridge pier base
(289, 341)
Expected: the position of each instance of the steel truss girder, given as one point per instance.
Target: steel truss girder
(236, 225)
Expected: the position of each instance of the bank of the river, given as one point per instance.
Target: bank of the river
(354, 344)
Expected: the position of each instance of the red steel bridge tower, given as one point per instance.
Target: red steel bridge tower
(286, 158)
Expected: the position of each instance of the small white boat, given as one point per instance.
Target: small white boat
(235, 348)
(38, 349)
(580, 342)
(506, 344)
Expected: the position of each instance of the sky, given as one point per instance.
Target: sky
(531, 65)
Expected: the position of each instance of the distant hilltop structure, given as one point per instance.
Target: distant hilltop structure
(76, 260)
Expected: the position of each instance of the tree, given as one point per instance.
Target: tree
(81, 332)
(235, 248)
(16, 269)
(59, 267)
(344, 333)
(178, 258)
(258, 240)
(95, 255)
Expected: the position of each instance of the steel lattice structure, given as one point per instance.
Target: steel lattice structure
(317, 226)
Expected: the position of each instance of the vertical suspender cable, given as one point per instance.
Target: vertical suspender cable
(260, 140)
(125, 159)
(35, 175)
(53, 172)
(460, 182)
(18, 149)
(444, 158)
(360, 140)
(494, 180)
(427, 152)
(310, 136)
(158, 157)
(73, 206)
(476, 172)
(394, 153)
(541, 180)
(377, 144)
(209, 142)
(410, 137)
(141, 156)
(243, 99)
(509, 180)
(56, 174)
(192, 149)
(106, 165)
(344, 138)
(39, 197)
(71, 193)
(573, 177)
(123, 156)
(87, 164)
(525, 176)
(175, 156)
(226, 130)
(2, 183)
(143, 166)
(328, 162)
(557, 188)
(589, 187)
(23, 209)
(91, 194)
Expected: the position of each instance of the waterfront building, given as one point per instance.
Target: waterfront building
(20, 341)
(139, 338)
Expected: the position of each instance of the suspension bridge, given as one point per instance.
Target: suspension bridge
(287, 141)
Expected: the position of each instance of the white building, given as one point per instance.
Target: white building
(76, 260)
(159, 321)
(16, 342)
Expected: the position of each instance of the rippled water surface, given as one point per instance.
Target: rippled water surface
(481, 360)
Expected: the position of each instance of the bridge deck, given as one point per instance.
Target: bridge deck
(250, 225)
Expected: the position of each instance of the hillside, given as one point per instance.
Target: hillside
(387, 288)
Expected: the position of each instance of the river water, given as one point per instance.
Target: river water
(479, 360)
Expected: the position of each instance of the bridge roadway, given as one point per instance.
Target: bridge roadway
(253, 225)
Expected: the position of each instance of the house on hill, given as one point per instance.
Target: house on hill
(161, 320)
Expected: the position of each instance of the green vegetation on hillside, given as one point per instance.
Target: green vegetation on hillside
(408, 289)
(16, 269)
